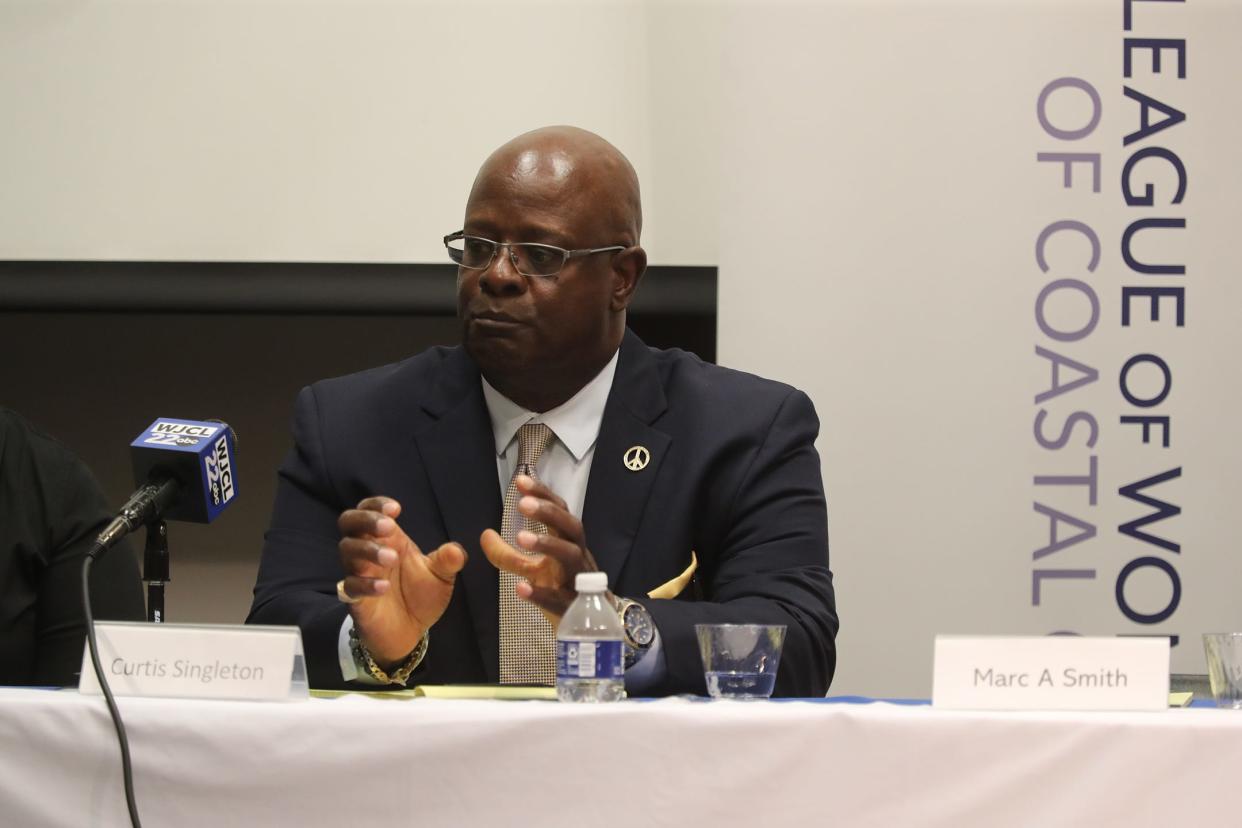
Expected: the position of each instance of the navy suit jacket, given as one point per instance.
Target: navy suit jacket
(733, 477)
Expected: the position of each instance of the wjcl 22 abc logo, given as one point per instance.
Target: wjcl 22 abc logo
(220, 472)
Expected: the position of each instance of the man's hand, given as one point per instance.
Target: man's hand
(560, 555)
(402, 591)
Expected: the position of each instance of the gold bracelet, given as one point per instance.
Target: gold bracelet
(362, 657)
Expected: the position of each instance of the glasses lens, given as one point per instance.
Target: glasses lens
(471, 251)
(539, 259)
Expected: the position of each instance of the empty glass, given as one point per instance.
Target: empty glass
(740, 660)
(1224, 663)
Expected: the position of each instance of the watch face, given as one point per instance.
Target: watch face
(638, 625)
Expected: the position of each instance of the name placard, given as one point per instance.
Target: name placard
(256, 663)
(1050, 673)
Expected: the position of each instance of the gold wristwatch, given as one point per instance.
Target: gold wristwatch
(638, 629)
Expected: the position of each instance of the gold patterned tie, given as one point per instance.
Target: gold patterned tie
(526, 641)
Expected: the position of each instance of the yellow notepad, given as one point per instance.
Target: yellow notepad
(507, 692)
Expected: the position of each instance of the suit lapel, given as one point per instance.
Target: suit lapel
(616, 495)
(458, 452)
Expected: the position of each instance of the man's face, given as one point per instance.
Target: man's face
(533, 331)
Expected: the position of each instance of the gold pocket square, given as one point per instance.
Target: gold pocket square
(673, 588)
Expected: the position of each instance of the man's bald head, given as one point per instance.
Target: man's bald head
(539, 339)
(591, 175)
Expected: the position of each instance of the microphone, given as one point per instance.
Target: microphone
(184, 471)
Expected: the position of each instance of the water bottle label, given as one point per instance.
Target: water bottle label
(589, 659)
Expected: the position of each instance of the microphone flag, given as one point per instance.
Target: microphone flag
(199, 455)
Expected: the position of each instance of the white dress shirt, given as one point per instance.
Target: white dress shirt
(564, 467)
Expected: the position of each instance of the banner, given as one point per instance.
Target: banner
(994, 243)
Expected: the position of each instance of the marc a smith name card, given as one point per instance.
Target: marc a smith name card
(1050, 673)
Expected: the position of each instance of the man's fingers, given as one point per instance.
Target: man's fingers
(366, 557)
(379, 503)
(569, 555)
(357, 587)
(555, 601)
(557, 518)
(446, 562)
(359, 522)
(373, 516)
(364, 522)
(503, 556)
(528, 485)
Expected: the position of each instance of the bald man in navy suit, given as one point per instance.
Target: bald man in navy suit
(696, 488)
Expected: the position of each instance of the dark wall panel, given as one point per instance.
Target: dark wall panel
(94, 379)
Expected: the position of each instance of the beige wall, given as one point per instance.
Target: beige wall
(337, 131)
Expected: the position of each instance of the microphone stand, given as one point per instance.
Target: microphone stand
(155, 568)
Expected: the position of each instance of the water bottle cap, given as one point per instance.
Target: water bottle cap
(591, 581)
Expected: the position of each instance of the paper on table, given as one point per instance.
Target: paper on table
(507, 692)
(1180, 699)
(511, 692)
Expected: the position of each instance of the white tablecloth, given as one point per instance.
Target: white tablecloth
(678, 763)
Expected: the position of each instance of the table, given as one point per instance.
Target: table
(675, 762)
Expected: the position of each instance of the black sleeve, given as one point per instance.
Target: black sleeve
(51, 509)
(116, 588)
(771, 566)
(300, 561)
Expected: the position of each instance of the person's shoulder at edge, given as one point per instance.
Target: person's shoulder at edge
(19, 437)
(14, 425)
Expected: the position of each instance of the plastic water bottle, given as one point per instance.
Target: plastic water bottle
(589, 658)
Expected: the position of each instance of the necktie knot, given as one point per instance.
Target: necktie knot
(533, 438)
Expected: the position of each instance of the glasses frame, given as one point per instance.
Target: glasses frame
(566, 255)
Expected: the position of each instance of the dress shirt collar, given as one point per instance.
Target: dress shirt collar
(576, 422)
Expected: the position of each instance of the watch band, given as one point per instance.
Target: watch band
(363, 658)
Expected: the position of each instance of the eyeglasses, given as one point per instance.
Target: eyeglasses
(529, 259)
